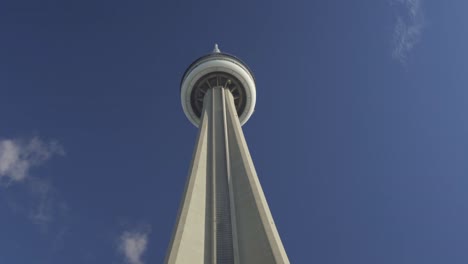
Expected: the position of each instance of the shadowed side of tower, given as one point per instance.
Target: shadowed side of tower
(223, 217)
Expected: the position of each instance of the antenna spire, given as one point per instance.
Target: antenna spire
(216, 49)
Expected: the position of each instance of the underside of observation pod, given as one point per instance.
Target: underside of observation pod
(218, 69)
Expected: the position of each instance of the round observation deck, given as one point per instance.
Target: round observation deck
(217, 69)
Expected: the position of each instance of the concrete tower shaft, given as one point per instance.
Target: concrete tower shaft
(223, 217)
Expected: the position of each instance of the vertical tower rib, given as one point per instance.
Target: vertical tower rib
(222, 217)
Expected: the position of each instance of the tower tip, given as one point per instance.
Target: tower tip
(216, 49)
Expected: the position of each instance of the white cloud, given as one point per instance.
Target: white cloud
(133, 245)
(37, 200)
(408, 29)
(18, 157)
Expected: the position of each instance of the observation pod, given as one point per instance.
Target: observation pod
(217, 69)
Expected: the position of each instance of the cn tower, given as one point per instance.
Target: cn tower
(223, 216)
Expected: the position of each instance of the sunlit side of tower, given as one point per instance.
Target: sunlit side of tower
(223, 217)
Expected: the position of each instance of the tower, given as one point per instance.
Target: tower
(223, 217)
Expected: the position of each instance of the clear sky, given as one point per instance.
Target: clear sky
(360, 134)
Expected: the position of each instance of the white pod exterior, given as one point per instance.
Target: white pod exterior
(218, 62)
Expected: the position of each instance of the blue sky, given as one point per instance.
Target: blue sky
(360, 134)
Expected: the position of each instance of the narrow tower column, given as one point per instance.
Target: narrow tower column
(223, 217)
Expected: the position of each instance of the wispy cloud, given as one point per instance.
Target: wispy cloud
(41, 211)
(132, 245)
(408, 28)
(58, 241)
(18, 157)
